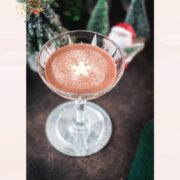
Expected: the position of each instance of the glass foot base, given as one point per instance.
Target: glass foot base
(71, 140)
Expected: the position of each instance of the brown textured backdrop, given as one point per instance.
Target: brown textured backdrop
(130, 105)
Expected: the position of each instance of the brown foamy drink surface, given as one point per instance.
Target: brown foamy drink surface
(80, 68)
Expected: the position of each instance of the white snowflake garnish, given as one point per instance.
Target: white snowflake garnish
(81, 69)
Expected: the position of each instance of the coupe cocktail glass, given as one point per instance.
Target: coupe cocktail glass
(79, 128)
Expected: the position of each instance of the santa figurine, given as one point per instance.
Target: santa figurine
(125, 37)
(123, 34)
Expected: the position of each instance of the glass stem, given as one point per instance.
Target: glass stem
(81, 127)
(80, 106)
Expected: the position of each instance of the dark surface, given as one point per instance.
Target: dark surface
(130, 105)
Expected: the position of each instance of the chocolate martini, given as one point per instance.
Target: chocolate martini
(80, 68)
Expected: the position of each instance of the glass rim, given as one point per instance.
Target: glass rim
(75, 31)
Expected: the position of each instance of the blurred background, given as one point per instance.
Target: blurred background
(129, 154)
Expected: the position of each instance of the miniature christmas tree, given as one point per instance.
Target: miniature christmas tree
(99, 19)
(41, 25)
(137, 17)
